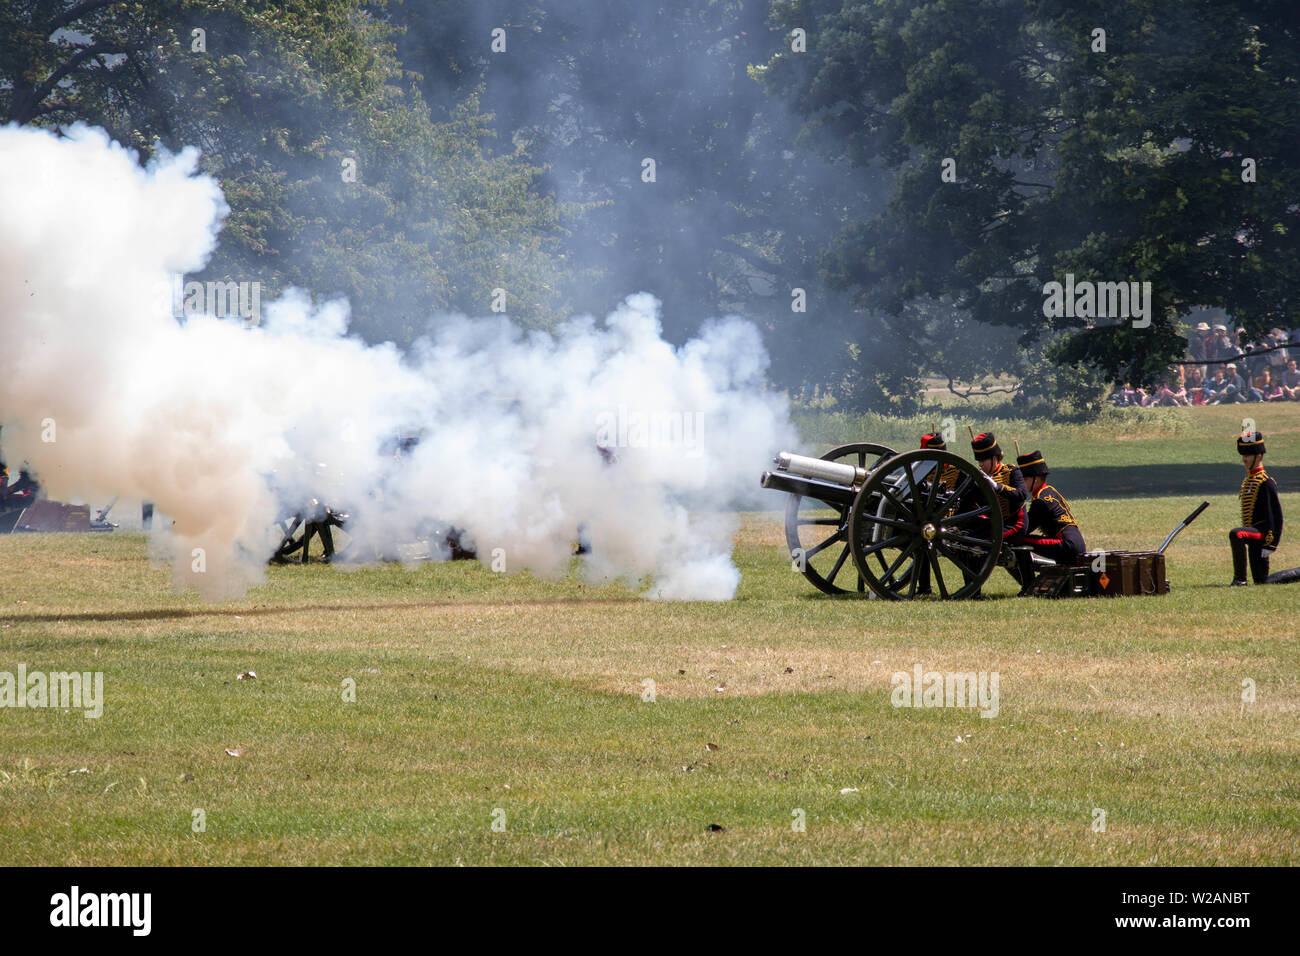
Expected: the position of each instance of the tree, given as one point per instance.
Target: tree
(1111, 158)
(738, 208)
(337, 177)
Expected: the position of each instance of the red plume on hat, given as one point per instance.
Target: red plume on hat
(985, 445)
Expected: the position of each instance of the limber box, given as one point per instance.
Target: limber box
(1129, 574)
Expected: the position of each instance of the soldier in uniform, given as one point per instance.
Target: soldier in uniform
(1012, 494)
(1261, 514)
(948, 475)
(1007, 481)
(1050, 528)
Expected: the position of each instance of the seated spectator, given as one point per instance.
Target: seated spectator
(1128, 396)
(1246, 390)
(1231, 387)
(1291, 381)
(1196, 385)
(1269, 391)
(1168, 393)
(1214, 385)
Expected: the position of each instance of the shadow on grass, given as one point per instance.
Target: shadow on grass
(164, 614)
(1150, 481)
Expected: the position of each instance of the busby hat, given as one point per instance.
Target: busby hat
(985, 446)
(933, 440)
(1250, 443)
(1032, 464)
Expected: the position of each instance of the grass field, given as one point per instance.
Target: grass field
(483, 697)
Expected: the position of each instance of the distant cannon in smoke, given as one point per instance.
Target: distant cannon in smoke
(23, 508)
(299, 528)
(909, 521)
(428, 540)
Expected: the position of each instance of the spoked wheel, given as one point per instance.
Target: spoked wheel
(817, 532)
(925, 522)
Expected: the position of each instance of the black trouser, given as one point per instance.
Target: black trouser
(1067, 548)
(1248, 542)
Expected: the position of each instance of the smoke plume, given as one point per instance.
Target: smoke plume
(228, 428)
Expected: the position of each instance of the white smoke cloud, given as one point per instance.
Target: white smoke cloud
(228, 428)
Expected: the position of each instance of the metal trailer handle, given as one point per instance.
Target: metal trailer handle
(1186, 521)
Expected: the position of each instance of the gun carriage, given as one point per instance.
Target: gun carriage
(915, 523)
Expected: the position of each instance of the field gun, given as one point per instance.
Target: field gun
(913, 523)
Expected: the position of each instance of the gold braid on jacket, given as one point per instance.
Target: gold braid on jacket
(1048, 493)
(1003, 477)
(1249, 492)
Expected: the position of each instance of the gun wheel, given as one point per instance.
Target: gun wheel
(926, 522)
(816, 531)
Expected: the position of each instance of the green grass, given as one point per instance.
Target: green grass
(477, 692)
(1128, 452)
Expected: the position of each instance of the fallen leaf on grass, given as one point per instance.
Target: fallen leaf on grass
(79, 770)
(247, 675)
(848, 789)
(237, 752)
(717, 828)
(710, 746)
(788, 670)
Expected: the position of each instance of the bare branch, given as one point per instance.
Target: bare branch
(80, 57)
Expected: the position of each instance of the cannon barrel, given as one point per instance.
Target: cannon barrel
(834, 472)
(829, 492)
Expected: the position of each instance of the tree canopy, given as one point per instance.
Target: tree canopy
(885, 186)
(1108, 141)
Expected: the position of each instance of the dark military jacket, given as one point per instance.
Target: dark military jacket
(1012, 491)
(1260, 507)
(1049, 513)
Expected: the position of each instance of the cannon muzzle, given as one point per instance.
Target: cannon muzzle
(835, 472)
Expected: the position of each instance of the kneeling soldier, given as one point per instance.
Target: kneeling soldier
(1050, 528)
(1009, 485)
(1261, 514)
(1007, 481)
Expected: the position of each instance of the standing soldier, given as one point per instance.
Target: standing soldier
(1261, 514)
(1058, 536)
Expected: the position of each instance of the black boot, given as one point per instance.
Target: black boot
(1025, 572)
(1258, 565)
(923, 574)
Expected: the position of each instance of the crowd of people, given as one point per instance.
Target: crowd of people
(1223, 368)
